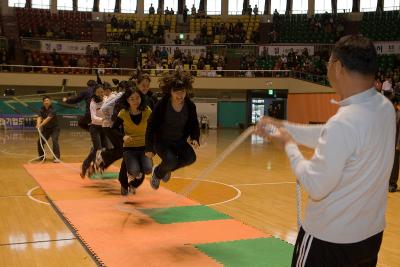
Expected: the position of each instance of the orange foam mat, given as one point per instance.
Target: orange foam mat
(62, 181)
(120, 235)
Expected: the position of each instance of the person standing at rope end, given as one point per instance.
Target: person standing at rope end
(347, 178)
(47, 124)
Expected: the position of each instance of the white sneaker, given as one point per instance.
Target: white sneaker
(130, 177)
(154, 181)
(98, 162)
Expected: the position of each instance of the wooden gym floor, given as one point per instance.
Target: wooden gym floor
(254, 185)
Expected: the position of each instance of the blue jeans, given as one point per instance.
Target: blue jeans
(135, 162)
(174, 155)
(97, 136)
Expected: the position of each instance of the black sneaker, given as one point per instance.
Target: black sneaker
(154, 181)
(124, 191)
(90, 170)
(84, 169)
(392, 188)
(132, 189)
(166, 177)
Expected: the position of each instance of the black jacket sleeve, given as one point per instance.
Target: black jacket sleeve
(153, 124)
(118, 127)
(76, 99)
(149, 138)
(98, 78)
(194, 131)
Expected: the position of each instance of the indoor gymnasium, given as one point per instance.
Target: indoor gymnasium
(199, 133)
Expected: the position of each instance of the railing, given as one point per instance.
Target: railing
(17, 3)
(319, 79)
(67, 8)
(211, 12)
(154, 72)
(40, 6)
(128, 11)
(294, 12)
(322, 11)
(343, 10)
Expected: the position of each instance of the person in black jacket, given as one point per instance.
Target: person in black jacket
(173, 121)
(86, 96)
(48, 125)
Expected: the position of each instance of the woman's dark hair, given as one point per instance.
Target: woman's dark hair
(357, 54)
(142, 77)
(91, 83)
(46, 97)
(107, 85)
(94, 96)
(128, 93)
(176, 81)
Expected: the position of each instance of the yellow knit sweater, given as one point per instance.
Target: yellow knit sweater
(136, 132)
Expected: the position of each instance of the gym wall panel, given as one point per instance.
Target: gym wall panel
(316, 107)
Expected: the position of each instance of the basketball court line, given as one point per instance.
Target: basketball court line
(272, 183)
(237, 196)
(34, 242)
(4, 151)
(29, 194)
(12, 196)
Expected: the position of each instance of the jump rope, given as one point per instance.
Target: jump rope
(270, 129)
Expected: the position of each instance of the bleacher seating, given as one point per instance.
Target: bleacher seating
(134, 24)
(381, 26)
(250, 24)
(62, 25)
(297, 29)
(1, 27)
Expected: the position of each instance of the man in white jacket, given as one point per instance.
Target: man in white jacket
(347, 177)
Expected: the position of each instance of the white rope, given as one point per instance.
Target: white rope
(218, 160)
(221, 157)
(273, 130)
(52, 153)
(41, 145)
(298, 204)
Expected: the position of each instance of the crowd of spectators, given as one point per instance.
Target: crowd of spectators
(294, 61)
(54, 32)
(387, 80)
(319, 25)
(4, 59)
(127, 32)
(160, 59)
(96, 57)
(327, 23)
(249, 10)
(1, 27)
(227, 33)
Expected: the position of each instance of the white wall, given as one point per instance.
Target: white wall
(208, 107)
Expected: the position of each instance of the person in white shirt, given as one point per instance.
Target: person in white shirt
(348, 176)
(95, 129)
(387, 88)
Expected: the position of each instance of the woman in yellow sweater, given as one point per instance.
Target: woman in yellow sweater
(133, 118)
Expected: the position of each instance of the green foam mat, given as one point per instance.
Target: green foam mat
(184, 214)
(271, 252)
(105, 176)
